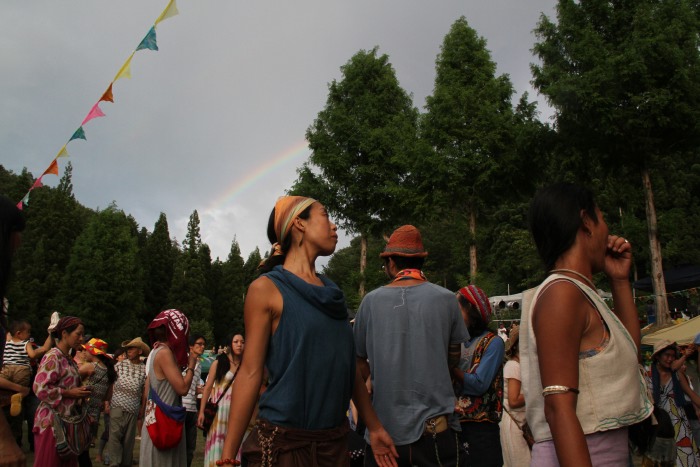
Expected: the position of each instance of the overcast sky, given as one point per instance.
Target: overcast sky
(214, 120)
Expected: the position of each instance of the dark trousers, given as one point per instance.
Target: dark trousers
(444, 450)
(482, 440)
(190, 435)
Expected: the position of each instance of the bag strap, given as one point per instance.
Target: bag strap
(223, 393)
(513, 418)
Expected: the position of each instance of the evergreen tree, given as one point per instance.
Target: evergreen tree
(623, 79)
(469, 123)
(362, 144)
(54, 222)
(228, 312)
(159, 264)
(188, 291)
(103, 279)
(250, 268)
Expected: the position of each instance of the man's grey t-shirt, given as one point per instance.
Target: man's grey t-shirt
(405, 333)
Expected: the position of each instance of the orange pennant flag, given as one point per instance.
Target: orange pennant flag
(107, 96)
(63, 152)
(125, 70)
(53, 168)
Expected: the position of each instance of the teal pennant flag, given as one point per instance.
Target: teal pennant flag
(79, 134)
(149, 42)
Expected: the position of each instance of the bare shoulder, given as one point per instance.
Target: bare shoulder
(264, 295)
(262, 285)
(164, 353)
(562, 301)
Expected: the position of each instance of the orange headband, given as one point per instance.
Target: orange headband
(287, 209)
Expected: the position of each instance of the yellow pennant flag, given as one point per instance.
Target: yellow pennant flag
(169, 12)
(63, 152)
(125, 70)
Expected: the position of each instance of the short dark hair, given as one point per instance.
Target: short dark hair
(555, 217)
(195, 337)
(19, 325)
(405, 262)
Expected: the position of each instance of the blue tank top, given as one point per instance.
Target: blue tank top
(310, 357)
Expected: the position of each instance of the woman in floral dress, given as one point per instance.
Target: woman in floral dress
(57, 385)
(220, 380)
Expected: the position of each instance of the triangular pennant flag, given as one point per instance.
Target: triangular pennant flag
(94, 113)
(125, 70)
(79, 134)
(53, 168)
(149, 42)
(63, 152)
(107, 96)
(25, 200)
(37, 183)
(19, 205)
(169, 12)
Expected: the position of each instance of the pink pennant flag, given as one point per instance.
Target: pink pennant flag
(19, 205)
(53, 168)
(94, 113)
(37, 183)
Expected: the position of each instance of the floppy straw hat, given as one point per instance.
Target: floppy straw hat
(139, 344)
(405, 241)
(662, 345)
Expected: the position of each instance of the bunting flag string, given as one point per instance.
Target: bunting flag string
(690, 291)
(149, 42)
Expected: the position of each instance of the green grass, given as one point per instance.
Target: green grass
(197, 461)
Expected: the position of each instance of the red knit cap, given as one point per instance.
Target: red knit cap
(405, 241)
(479, 299)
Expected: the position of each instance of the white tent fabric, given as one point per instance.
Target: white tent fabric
(682, 333)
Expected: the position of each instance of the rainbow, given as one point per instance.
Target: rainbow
(296, 151)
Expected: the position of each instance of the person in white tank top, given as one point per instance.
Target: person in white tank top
(577, 415)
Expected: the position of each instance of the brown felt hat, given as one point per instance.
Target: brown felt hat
(405, 241)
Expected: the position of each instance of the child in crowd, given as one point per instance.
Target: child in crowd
(17, 367)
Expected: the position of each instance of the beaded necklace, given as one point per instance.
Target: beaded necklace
(576, 273)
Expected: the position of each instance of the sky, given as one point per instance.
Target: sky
(215, 119)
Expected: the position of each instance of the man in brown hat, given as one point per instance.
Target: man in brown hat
(402, 335)
(125, 406)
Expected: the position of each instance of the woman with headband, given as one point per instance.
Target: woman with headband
(58, 386)
(296, 326)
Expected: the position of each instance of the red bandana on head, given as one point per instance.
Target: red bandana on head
(178, 328)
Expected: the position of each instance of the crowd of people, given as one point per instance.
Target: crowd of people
(420, 377)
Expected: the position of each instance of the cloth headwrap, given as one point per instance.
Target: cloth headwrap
(478, 298)
(65, 323)
(178, 330)
(287, 209)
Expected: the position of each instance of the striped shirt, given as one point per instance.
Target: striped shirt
(189, 401)
(16, 353)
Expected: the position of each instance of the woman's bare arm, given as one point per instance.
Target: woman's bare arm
(562, 307)
(515, 398)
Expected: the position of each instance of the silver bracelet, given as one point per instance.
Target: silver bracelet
(557, 389)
